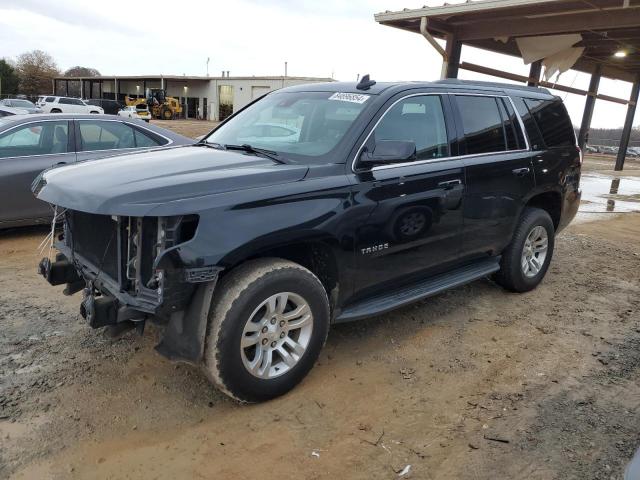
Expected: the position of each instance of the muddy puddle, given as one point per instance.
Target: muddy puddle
(604, 195)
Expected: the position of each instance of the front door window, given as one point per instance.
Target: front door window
(419, 119)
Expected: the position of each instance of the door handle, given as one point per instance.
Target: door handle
(520, 172)
(449, 184)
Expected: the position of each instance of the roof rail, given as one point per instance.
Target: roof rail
(504, 86)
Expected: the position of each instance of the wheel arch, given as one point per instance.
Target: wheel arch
(318, 255)
(549, 201)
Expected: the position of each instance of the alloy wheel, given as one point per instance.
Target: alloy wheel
(534, 251)
(276, 335)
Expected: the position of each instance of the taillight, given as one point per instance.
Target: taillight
(580, 154)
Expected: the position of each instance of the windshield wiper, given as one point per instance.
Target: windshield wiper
(204, 143)
(257, 151)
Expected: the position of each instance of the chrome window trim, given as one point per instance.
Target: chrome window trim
(441, 159)
(39, 155)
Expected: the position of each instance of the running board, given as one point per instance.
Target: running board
(418, 291)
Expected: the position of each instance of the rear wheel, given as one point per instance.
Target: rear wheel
(525, 261)
(56, 110)
(269, 321)
(94, 112)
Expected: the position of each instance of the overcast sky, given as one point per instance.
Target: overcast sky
(319, 38)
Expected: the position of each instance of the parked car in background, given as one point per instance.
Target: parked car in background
(140, 112)
(245, 254)
(591, 149)
(110, 107)
(6, 111)
(32, 143)
(608, 150)
(633, 151)
(55, 104)
(30, 107)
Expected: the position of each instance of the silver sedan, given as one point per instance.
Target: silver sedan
(32, 143)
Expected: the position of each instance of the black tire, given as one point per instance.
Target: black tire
(94, 112)
(237, 296)
(166, 114)
(56, 110)
(511, 274)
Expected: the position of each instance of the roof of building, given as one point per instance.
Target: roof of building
(606, 26)
(192, 77)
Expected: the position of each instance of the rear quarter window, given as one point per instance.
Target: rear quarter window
(553, 122)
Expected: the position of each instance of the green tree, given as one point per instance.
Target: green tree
(8, 78)
(79, 71)
(36, 69)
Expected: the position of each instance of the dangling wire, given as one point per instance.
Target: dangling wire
(50, 238)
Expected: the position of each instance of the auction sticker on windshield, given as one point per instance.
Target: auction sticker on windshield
(349, 97)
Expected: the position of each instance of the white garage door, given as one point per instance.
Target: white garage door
(258, 92)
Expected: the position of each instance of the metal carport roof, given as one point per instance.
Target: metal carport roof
(610, 31)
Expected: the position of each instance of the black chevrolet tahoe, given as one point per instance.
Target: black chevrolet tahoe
(314, 205)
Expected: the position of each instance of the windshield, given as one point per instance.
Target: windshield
(22, 103)
(296, 124)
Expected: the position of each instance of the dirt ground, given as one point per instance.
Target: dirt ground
(475, 383)
(188, 128)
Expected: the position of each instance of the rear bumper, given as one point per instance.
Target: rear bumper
(570, 206)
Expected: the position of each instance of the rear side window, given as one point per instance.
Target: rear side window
(553, 122)
(50, 99)
(482, 124)
(535, 138)
(100, 135)
(103, 135)
(513, 129)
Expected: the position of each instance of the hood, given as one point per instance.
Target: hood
(134, 184)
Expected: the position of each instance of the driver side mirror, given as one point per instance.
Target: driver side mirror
(389, 151)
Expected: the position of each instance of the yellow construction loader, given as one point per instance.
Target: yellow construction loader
(160, 106)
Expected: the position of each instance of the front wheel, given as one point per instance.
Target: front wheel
(167, 114)
(269, 320)
(525, 261)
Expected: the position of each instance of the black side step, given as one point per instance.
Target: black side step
(418, 291)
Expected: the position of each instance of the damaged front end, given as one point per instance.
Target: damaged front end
(130, 270)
